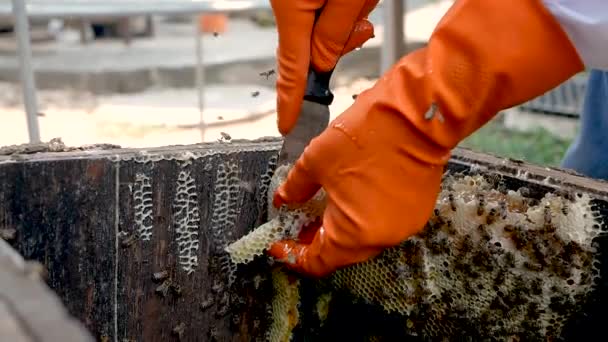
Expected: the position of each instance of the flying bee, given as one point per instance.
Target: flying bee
(268, 73)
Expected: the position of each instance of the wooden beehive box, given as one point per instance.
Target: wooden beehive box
(133, 240)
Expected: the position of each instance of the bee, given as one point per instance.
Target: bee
(491, 218)
(520, 239)
(236, 319)
(481, 203)
(509, 260)
(499, 279)
(466, 244)
(255, 93)
(483, 260)
(176, 289)
(547, 215)
(468, 288)
(503, 210)
(499, 304)
(450, 228)
(536, 286)
(402, 272)
(516, 161)
(179, 330)
(217, 287)
(438, 217)
(163, 289)
(451, 200)
(431, 112)
(216, 34)
(533, 311)
(224, 306)
(385, 293)
(533, 267)
(483, 232)
(128, 241)
(207, 303)
(438, 246)
(268, 73)
(354, 96)
(440, 117)
(160, 276)
(225, 137)
(524, 191)
(564, 209)
(569, 251)
(509, 228)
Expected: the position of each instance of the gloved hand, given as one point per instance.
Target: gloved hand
(381, 161)
(341, 27)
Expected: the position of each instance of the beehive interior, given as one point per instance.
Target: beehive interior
(490, 263)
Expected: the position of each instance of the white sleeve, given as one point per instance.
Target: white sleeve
(586, 23)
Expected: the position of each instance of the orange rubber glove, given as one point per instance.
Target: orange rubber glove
(341, 27)
(381, 161)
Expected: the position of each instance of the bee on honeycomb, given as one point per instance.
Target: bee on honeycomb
(518, 266)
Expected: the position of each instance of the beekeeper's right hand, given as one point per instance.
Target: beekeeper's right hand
(381, 161)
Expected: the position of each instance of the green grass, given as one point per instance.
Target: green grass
(538, 147)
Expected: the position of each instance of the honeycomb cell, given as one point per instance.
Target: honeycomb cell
(284, 313)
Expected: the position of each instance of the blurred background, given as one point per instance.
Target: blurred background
(145, 73)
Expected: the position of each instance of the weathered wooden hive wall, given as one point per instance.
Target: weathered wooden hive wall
(133, 239)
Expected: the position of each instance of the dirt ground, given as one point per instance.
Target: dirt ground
(152, 118)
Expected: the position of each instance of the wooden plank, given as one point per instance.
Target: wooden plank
(29, 310)
(133, 238)
(103, 222)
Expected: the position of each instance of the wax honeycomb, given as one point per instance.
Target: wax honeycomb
(186, 221)
(284, 306)
(227, 192)
(285, 223)
(516, 266)
(142, 199)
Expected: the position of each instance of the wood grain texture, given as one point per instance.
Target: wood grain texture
(104, 222)
(133, 239)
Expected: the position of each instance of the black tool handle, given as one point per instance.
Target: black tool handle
(317, 87)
